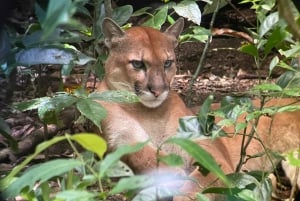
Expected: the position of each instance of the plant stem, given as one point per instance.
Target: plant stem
(90, 168)
(245, 143)
(108, 8)
(294, 183)
(203, 55)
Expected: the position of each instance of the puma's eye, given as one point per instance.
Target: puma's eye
(137, 64)
(168, 63)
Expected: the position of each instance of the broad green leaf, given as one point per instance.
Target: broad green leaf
(249, 49)
(285, 79)
(273, 64)
(41, 147)
(76, 195)
(120, 169)
(201, 156)
(112, 158)
(247, 187)
(292, 51)
(51, 55)
(115, 96)
(284, 65)
(267, 87)
(47, 113)
(158, 19)
(91, 142)
(155, 193)
(48, 109)
(289, 108)
(63, 100)
(206, 106)
(268, 24)
(132, 183)
(277, 36)
(190, 10)
(141, 11)
(92, 110)
(45, 55)
(189, 127)
(58, 13)
(31, 104)
(46, 191)
(121, 14)
(41, 173)
(171, 160)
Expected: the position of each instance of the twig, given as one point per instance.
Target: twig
(294, 183)
(200, 65)
(108, 8)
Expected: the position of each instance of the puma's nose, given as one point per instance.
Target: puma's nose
(156, 93)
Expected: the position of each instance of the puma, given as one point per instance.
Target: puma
(142, 60)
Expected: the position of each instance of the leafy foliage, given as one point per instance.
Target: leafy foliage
(54, 40)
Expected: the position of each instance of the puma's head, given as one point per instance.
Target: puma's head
(141, 60)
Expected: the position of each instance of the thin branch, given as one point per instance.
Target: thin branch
(108, 8)
(200, 65)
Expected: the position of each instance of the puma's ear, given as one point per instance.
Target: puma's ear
(110, 30)
(176, 28)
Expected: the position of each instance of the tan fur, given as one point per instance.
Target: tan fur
(155, 118)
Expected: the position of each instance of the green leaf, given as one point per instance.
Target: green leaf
(92, 110)
(41, 147)
(63, 100)
(45, 55)
(156, 193)
(141, 11)
(249, 49)
(112, 158)
(132, 183)
(118, 170)
(201, 156)
(285, 79)
(58, 13)
(76, 195)
(91, 142)
(31, 104)
(171, 160)
(267, 87)
(190, 10)
(273, 64)
(41, 173)
(277, 36)
(115, 96)
(247, 187)
(121, 14)
(47, 113)
(48, 109)
(270, 21)
(288, 108)
(158, 19)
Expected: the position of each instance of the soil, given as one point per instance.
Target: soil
(226, 71)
